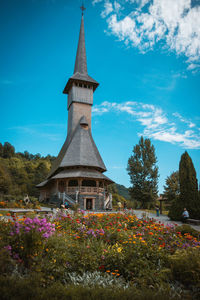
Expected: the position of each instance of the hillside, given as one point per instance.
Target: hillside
(21, 172)
(122, 191)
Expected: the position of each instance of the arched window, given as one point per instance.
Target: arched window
(87, 182)
(73, 182)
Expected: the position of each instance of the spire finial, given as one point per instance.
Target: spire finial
(82, 8)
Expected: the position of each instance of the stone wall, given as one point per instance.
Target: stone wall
(99, 201)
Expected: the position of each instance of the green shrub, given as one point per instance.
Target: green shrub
(32, 288)
(176, 210)
(185, 266)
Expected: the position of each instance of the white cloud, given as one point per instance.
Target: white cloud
(193, 66)
(96, 1)
(184, 120)
(174, 22)
(108, 8)
(156, 123)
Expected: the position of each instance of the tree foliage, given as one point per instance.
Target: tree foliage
(143, 172)
(8, 150)
(189, 197)
(172, 187)
(21, 172)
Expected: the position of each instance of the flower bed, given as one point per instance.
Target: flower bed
(121, 249)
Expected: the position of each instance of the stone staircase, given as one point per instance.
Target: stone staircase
(108, 202)
(66, 198)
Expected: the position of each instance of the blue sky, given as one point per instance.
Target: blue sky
(145, 55)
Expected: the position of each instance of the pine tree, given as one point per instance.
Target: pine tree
(143, 173)
(172, 187)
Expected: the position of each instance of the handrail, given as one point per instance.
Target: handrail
(84, 189)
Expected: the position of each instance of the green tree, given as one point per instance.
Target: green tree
(8, 150)
(112, 188)
(1, 150)
(143, 173)
(5, 181)
(41, 172)
(189, 186)
(172, 187)
(189, 197)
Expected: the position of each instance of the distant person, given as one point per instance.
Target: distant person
(119, 205)
(66, 204)
(157, 211)
(185, 215)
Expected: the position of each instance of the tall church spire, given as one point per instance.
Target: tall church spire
(81, 62)
(80, 75)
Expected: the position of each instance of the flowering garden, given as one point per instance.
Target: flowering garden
(97, 256)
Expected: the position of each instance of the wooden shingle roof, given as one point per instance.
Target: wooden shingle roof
(79, 150)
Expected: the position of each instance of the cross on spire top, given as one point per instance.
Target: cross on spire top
(82, 8)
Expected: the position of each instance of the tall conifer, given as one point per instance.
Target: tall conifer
(189, 186)
(189, 197)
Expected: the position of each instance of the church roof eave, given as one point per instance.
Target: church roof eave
(85, 79)
(81, 173)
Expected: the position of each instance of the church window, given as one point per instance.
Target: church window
(73, 182)
(87, 182)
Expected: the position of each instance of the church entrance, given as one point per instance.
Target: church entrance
(89, 204)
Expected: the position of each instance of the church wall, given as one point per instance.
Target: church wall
(99, 201)
(53, 188)
(80, 94)
(76, 111)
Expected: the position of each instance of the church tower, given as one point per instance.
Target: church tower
(80, 87)
(77, 173)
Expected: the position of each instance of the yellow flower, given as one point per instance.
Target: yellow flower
(119, 250)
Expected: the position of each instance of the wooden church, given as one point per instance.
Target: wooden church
(77, 173)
